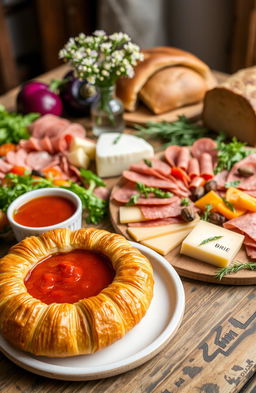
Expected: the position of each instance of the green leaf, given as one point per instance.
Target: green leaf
(233, 183)
(185, 202)
(229, 205)
(210, 239)
(206, 212)
(117, 139)
(229, 154)
(88, 176)
(148, 163)
(133, 200)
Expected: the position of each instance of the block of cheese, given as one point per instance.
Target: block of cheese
(87, 145)
(231, 106)
(212, 244)
(130, 214)
(144, 233)
(116, 152)
(79, 158)
(166, 243)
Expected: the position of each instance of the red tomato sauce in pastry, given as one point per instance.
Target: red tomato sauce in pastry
(67, 278)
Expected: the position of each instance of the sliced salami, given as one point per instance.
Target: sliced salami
(250, 251)
(157, 222)
(206, 166)
(221, 179)
(124, 194)
(193, 168)
(248, 183)
(244, 224)
(171, 154)
(150, 181)
(156, 167)
(153, 213)
(197, 182)
(183, 158)
(204, 145)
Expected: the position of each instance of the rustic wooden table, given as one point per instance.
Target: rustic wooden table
(214, 350)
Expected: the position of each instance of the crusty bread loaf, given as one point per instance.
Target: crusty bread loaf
(231, 107)
(156, 59)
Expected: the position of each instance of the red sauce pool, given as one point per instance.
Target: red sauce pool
(44, 211)
(67, 278)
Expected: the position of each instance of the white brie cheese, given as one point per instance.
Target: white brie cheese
(116, 152)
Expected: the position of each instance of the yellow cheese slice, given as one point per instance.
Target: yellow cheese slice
(165, 244)
(144, 233)
(212, 244)
(130, 214)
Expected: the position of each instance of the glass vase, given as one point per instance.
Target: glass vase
(107, 112)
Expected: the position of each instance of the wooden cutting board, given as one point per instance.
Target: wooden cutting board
(186, 266)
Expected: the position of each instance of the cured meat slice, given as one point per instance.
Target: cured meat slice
(248, 183)
(102, 193)
(38, 159)
(193, 168)
(244, 224)
(204, 145)
(40, 126)
(124, 194)
(206, 166)
(249, 242)
(171, 154)
(197, 182)
(156, 223)
(5, 166)
(250, 251)
(221, 179)
(150, 181)
(156, 165)
(183, 158)
(75, 129)
(154, 212)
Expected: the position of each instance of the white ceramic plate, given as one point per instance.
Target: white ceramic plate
(143, 342)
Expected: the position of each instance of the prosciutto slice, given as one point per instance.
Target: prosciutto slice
(248, 183)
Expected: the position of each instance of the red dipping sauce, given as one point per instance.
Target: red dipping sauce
(44, 211)
(67, 278)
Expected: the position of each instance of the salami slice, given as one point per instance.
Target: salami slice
(204, 145)
(193, 168)
(248, 183)
(124, 194)
(156, 223)
(150, 181)
(197, 182)
(171, 210)
(221, 179)
(171, 154)
(158, 168)
(183, 158)
(245, 224)
(206, 166)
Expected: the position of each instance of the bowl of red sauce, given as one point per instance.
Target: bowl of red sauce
(42, 210)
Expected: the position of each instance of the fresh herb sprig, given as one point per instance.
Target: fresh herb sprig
(148, 163)
(117, 139)
(235, 267)
(229, 154)
(185, 202)
(13, 126)
(234, 183)
(144, 191)
(229, 205)
(210, 239)
(207, 210)
(180, 132)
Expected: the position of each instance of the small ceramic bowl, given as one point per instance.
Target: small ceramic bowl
(22, 231)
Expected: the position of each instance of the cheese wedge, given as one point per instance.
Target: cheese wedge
(116, 152)
(165, 244)
(130, 214)
(79, 158)
(144, 233)
(87, 145)
(212, 244)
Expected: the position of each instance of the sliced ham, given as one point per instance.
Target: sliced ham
(155, 212)
(38, 160)
(47, 124)
(204, 145)
(5, 166)
(183, 158)
(150, 181)
(248, 183)
(206, 166)
(171, 154)
(245, 224)
(193, 168)
(156, 223)
(102, 193)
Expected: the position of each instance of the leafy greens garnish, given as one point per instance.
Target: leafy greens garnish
(210, 239)
(235, 267)
(185, 202)
(229, 154)
(229, 205)
(145, 191)
(233, 183)
(148, 163)
(13, 126)
(206, 212)
(180, 132)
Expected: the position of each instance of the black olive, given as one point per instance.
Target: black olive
(197, 193)
(211, 185)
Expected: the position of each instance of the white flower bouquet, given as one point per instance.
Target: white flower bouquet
(101, 59)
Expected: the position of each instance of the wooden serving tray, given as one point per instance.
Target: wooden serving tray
(186, 266)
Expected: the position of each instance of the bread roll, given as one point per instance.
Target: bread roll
(231, 107)
(155, 59)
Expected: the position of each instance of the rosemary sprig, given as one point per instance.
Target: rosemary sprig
(235, 267)
(117, 139)
(210, 239)
(233, 183)
(229, 205)
(206, 212)
(148, 163)
(185, 202)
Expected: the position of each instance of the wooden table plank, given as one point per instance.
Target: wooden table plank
(213, 351)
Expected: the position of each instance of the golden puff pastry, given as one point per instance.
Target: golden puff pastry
(63, 329)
